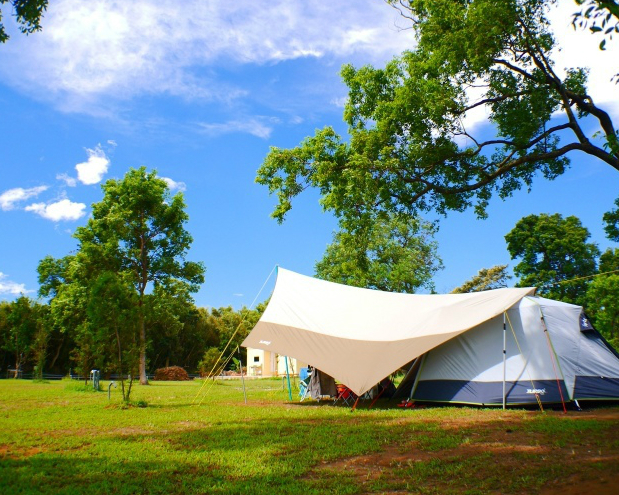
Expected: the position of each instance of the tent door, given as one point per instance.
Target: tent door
(407, 384)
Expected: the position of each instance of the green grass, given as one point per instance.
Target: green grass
(61, 437)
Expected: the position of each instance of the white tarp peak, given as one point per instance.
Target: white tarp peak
(359, 336)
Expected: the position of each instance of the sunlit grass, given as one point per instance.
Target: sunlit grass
(61, 437)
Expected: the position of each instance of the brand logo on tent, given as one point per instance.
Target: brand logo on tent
(585, 324)
(265, 342)
(540, 391)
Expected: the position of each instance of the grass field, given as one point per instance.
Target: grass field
(58, 438)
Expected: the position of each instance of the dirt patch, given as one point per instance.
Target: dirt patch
(549, 463)
(576, 486)
(8, 452)
(127, 431)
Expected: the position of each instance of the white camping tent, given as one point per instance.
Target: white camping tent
(552, 354)
(360, 336)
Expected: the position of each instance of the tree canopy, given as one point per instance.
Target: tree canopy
(603, 297)
(495, 277)
(27, 13)
(393, 253)
(611, 223)
(413, 143)
(138, 232)
(554, 256)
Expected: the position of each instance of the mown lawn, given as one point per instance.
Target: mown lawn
(57, 438)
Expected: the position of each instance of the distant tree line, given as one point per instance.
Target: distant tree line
(32, 339)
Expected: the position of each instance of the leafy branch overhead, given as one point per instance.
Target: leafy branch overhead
(27, 14)
(601, 16)
(416, 140)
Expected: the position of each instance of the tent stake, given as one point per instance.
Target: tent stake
(504, 357)
(288, 378)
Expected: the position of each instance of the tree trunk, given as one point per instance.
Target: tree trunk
(17, 365)
(58, 349)
(142, 289)
(143, 377)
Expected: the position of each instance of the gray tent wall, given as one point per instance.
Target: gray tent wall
(562, 363)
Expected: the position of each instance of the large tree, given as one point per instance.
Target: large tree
(138, 230)
(555, 256)
(395, 253)
(611, 223)
(603, 297)
(114, 326)
(21, 331)
(67, 284)
(27, 13)
(413, 145)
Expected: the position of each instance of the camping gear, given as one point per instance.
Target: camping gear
(321, 386)
(345, 395)
(496, 347)
(304, 380)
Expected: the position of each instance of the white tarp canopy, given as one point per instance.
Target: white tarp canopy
(359, 336)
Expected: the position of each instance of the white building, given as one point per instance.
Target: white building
(266, 363)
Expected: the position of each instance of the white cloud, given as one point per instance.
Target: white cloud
(339, 102)
(88, 51)
(67, 179)
(63, 210)
(93, 170)
(9, 198)
(238, 295)
(254, 126)
(10, 287)
(173, 185)
(112, 143)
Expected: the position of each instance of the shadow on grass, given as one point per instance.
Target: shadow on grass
(253, 456)
(288, 452)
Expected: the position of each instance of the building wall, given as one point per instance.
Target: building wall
(266, 363)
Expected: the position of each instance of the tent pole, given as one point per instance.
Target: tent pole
(242, 378)
(294, 373)
(288, 378)
(408, 373)
(504, 357)
(414, 387)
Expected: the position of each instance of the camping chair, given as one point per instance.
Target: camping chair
(345, 395)
(304, 379)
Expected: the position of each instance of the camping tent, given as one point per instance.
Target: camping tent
(474, 348)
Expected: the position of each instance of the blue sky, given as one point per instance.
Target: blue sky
(200, 93)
